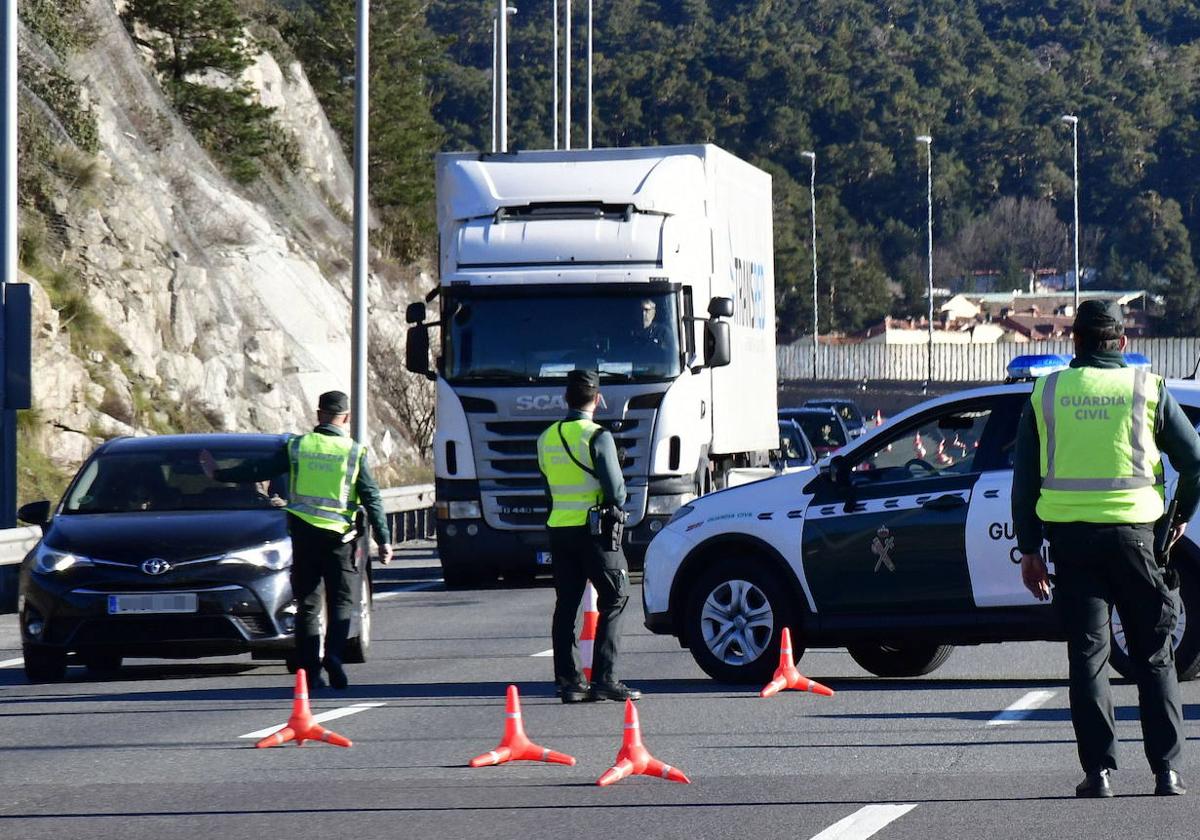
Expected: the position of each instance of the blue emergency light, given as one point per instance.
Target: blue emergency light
(1040, 364)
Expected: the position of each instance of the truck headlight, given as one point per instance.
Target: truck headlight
(49, 560)
(663, 505)
(458, 510)
(679, 514)
(275, 556)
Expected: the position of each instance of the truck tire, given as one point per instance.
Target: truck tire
(736, 613)
(1187, 634)
(900, 660)
(358, 649)
(44, 665)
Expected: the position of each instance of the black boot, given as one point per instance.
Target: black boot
(1168, 783)
(1095, 785)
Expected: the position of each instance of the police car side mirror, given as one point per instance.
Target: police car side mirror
(839, 471)
(35, 513)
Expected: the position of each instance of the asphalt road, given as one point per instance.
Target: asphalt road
(157, 752)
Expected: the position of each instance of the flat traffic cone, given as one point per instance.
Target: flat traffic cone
(787, 676)
(587, 633)
(300, 726)
(515, 745)
(635, 760)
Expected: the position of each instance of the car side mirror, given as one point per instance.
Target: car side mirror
(35, 513)
(839, 471)
(416, 351)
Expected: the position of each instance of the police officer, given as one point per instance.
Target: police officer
(329, 478)
(1088, 467)
(579, 462)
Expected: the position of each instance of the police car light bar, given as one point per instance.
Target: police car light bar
(1040, 364)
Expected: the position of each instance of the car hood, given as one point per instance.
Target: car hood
(185, 535)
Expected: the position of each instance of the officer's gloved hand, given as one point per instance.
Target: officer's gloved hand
(385, 553)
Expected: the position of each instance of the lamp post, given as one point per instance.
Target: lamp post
(812, 195)
(361, 244)
(1073, 121)
(589, 78)
(567, 75)
(500, 75)
(8, 258)
(554, 62)
(928, 141)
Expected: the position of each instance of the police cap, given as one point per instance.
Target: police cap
(334, 402)
(1101, 319)
(583, 379)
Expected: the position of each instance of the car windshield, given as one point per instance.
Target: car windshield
(847, 411)
(626, 336)
(170, 480)
(822, 430)
(792, 445)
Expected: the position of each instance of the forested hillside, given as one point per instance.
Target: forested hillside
(856, 81)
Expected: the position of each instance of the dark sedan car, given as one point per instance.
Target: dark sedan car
(823, 427)
(146, 556)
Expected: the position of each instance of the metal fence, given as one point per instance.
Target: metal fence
(1171, 357)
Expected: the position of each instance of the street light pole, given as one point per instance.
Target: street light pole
(502, 12)
(812, 194)
(8, 262)
(1073, 121)
(554, 107)
(495, 82)
(928, 141)
(567, 75)
(361, 263)
(589, 78)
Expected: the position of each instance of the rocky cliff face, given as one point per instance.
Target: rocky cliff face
(234, 303)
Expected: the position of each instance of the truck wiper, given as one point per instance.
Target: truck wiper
(493, 374)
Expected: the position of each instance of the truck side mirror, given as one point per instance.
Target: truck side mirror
(716, 344)
(720, 307)
(415, 314)
(416, 350)
(35, 513)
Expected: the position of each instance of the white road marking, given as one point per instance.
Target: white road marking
(1022, 708)
(546, 652)
(864, 822)
(332, 714)
(422, 586)
(11, 663)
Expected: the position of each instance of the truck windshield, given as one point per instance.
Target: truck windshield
(626, 336)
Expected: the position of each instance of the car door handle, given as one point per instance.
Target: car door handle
(947, 502)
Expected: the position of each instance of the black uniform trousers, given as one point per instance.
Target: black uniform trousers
(322, 569)
(1098, 566)
(578, 558)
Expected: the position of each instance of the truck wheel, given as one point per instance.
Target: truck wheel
(736, 613)
(43, 665)
(359, 648)
(900, 660)
(1187, 635)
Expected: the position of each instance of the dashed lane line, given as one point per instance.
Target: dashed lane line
(11, 663)
(546, 652)
(1022, 708)
(332, 714)
(864, 822)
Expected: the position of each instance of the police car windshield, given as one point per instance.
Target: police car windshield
(625, 335)
(172, 480)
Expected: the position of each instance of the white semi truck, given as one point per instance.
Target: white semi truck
(652, 266)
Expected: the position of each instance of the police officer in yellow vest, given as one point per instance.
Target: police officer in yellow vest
(579, 461)
(1089, 475)
(328, 478)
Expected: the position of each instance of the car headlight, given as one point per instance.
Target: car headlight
(458, 510)
(679, 514)
(49, 560)
(274, 556)
(662, 505)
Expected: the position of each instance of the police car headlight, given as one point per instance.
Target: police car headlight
(679, 514)
(49, 560)
(458, 510)
(662, 505)
(275, 556)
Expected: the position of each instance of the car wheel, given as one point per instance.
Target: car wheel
(44, 665)
(102, 664)
(1186, 639)
(736, 613)
(359, 648)
(900, 660)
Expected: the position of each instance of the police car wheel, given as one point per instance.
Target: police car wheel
(43, 664)
(736, 613)
(358, 649)
(900, 660)
(1186, 639)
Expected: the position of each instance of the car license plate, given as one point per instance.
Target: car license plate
(543, 558)
(175, 602)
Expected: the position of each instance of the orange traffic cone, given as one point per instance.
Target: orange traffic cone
(878, 417)
(300, 726)
(587, 634)
(515, 745)
(635, 760)
(942, 457)
(919, 446)
(786, 675)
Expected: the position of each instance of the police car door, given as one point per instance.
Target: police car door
(890, 536)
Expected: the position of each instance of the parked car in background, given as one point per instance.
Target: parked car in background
(848, 410)
(147, 557)
(823, 427)
(794, 448)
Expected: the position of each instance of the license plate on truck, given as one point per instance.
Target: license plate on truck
(175, 602)
(543, 558)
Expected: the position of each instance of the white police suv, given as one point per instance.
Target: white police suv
(898, 548)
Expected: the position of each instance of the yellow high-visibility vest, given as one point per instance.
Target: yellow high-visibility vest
(324, 472)
(572, 489)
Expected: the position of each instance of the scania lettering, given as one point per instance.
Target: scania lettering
(653, 267)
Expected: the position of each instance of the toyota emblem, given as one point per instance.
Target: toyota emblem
(155, 566)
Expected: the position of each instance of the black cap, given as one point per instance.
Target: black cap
(1100, 318)
(583, 379)
(334, 402)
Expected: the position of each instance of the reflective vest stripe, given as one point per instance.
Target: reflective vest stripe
(321, 513)
(1137, 436)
